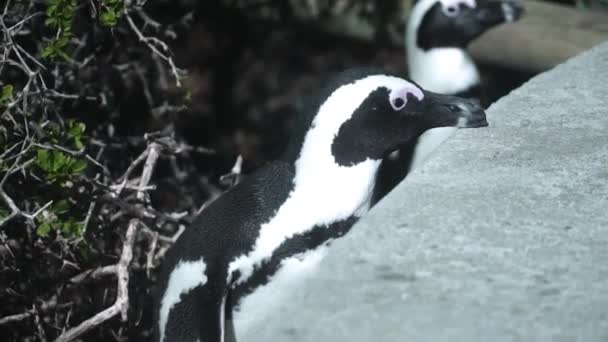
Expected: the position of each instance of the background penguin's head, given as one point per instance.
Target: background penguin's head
(366, 114)
(455, 23)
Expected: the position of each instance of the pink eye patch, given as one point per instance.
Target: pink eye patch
(398, 97)
(457, 3)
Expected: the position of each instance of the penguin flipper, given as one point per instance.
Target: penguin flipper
(198, 317)
(213, 319)
(392, 171)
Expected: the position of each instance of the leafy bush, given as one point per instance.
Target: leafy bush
(71, 184)
(108, 149)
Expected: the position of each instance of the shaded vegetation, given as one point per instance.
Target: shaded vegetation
(121, 120)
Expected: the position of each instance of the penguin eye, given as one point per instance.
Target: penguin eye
(398, 103)
(452, 11)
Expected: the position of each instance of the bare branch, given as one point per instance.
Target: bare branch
(45, 306)
(94, 273)
(156, 45)
(89, 324)
(234, 176)
(37, 320)
(121, 305)
(87, 218)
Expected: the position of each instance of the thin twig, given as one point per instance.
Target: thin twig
(154, 44)
(169, 242)
(121, 305)
(45, 306)
(87, 218)
(96, 273)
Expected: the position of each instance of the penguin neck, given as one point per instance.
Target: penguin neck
(335, 191)
(445, 70)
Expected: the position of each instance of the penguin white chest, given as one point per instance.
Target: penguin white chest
(443, 70)
(254, 308)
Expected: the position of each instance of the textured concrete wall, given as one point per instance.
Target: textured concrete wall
(502, 236)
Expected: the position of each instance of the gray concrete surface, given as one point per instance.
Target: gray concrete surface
(502, 236)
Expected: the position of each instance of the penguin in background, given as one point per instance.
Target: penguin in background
(268, 232)
(437, 35)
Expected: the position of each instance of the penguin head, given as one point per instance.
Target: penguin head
(455, 23)
(364, 115)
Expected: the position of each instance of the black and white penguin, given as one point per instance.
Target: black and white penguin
(437, 35)
(268, 232)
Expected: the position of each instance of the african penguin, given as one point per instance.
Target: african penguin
(267, 233)
(437, 35)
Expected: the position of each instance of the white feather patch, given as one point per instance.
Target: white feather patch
(440, 70)
(223, 320)
(254, 308)
(184, 277)
(469, 3)
(508, 11)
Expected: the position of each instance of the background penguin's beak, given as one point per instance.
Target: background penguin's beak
(452, 111)
(495, 12)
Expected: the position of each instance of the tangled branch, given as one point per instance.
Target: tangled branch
(121, 269)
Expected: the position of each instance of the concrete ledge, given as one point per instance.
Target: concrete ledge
(547, 35)
(502, 236)
(575, 95)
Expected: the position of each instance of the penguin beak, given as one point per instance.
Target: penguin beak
(451, 111)
(495, 12)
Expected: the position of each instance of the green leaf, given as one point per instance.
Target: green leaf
(59, 16)
(58, 160)
(3, 213)
(57, 165)
(75, 129)
(50, 22)
(108, 18)
(78, 143)
(110, 13)
(61, 207)
(7, 93)
(47, 52)
(43, 229)
(71, 228)
(188, 96)
(42, 159)
(78, 166)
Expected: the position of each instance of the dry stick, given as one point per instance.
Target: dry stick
(9, 201)
(125, 176)
(153, 44)
(51, 303)
(37, 320)
(15, 211)
(121, 305)
(89, 323)
(95, 273)
(150, 254)
(17, 317)
(87, 218)
(170, 241)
